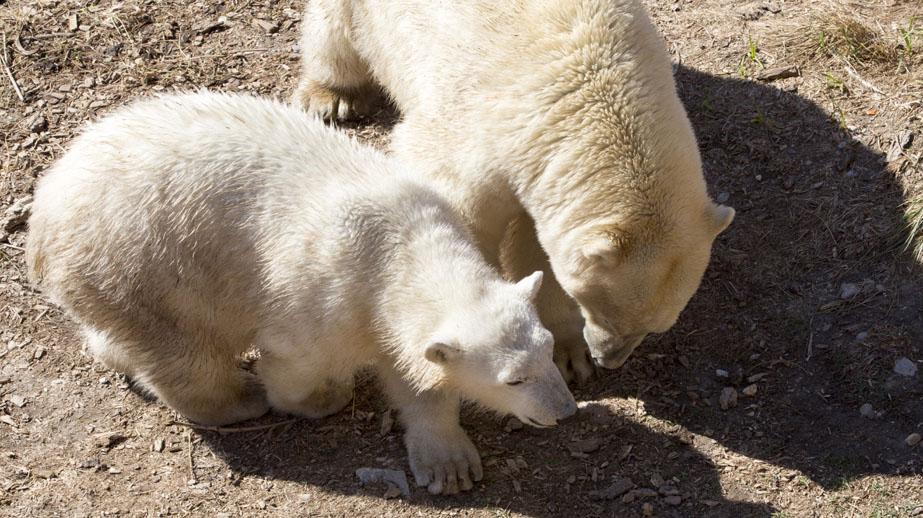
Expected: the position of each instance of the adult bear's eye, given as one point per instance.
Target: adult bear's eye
(514, 383)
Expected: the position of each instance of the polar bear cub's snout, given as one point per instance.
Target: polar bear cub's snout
(504, 361)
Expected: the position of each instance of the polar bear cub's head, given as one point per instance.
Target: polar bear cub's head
(495, 352)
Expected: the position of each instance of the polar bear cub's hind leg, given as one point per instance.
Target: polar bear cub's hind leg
(201, 381)
(335, 83)
(102, 348)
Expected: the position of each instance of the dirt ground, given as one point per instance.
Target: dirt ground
(809, 120)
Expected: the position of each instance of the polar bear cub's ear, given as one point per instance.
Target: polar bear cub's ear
(720, 217)
(441, 351)
(530, 285)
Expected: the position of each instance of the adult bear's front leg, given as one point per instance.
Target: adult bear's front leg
(520, 255)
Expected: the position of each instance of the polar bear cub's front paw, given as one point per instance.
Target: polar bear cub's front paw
(445, 461)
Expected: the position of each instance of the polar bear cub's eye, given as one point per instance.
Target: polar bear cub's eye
(516, 382)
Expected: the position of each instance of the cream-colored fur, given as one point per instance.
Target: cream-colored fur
(564, 113)
(183, 230)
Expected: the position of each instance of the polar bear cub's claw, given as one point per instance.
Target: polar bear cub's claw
(445, 462)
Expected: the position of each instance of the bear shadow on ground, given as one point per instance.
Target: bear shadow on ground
(818, 213)
(810, 296)
(528, 471)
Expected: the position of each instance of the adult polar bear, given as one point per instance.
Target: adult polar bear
(561, 113)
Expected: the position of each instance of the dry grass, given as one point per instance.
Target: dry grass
(914, 217)
(855, 33)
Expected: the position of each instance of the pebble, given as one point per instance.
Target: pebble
(657, 479)
(392, 477)
(668, 490)
(17, 400)
(585, 446)
(108, 439)
(912, 439)
(721, 373)
(615, 490)
(905, 367)
(728, 398)
(868, 411)
(848, 290)
(750, 390)
(673, 500)
(159, 444)
(513, 424)
(647, 509)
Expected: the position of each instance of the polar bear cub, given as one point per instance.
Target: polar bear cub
(183, 230)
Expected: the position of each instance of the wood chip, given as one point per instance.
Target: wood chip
(775, 74)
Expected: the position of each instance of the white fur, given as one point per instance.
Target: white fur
(183, 230)
(561, 113)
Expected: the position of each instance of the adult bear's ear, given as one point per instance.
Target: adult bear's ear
(442, 352)
(606, 245)
(719, 217)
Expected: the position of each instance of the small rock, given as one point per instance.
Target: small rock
(269, 27)
(905, 367)
(723, 197)
(657, 479)
(912, 439)
(617, 489)
(17, 400)
(108, 439)
(392, 492)
(647, 509)
(114, 471)
(848, 290)
(721, 373)
(159, 444)
(673, 500)
(37, 123)
(728, 398)
(750, 390)
(639, 494)
(37, 355)
(585, 446)
(667, 490)
(103, 380)
(392, 477)
(868, 411)
(513, 424)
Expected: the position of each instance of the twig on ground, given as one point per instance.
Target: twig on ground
(225, 429)
(192, 476)
(9, 73)
(17, 44)
(855, 75)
